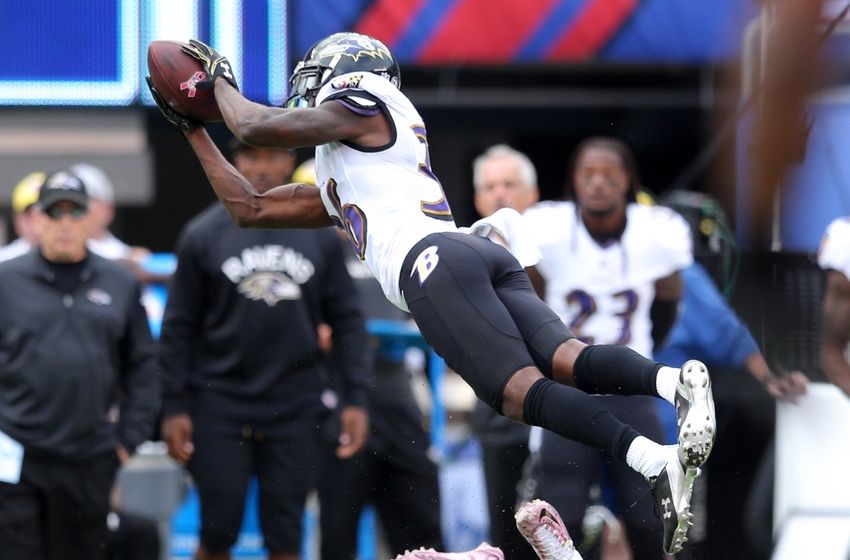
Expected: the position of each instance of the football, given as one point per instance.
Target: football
(174, 74)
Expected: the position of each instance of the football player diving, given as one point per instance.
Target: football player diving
(470, 297)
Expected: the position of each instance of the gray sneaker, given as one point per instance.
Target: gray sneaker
(672, 490)
(695, 414)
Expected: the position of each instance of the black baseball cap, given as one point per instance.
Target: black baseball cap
(63, 186)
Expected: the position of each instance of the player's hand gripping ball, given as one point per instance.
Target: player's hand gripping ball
(185, 124)
(215, 65)
(181, 82)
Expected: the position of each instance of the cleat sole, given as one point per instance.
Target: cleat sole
(696, 437)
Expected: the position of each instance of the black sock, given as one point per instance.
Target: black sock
(615, 370)
(577, 416)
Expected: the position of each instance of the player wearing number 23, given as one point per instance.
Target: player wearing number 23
(471, 298)
(604, 268)
(610, 271)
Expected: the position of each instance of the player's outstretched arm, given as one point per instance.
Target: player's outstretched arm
(835, 330)
(295, 205)
(273, 127)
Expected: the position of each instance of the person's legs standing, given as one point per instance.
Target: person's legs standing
(344, 488)
(77, 502)
(132, 537)
(565, 472)
(22, 530)
(634, 507)
(406, 492)
(221, 467)
(503, 467)
(287, 470)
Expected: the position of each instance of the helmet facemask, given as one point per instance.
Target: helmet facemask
(304, 85)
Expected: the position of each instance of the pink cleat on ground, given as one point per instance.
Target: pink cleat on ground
(542, 527)
(483, 552)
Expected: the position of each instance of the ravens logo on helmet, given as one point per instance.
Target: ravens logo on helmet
(336, 55)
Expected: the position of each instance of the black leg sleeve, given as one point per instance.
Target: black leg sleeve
(577, 416)
(615, 370)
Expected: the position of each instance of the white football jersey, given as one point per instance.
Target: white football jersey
(385, 199)
(834, 251)
(604, 293)
(507, 228)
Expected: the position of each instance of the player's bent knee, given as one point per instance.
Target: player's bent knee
(516, 389)
(564, 360)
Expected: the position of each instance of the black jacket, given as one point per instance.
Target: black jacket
(240, 327)
(65, 359)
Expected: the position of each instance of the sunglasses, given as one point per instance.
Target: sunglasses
(56, 213)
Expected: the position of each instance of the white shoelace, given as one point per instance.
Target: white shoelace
(551, 545)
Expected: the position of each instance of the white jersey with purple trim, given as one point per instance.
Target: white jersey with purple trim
(834, 250)
(386, 199)
(507, 228)
(604, 292)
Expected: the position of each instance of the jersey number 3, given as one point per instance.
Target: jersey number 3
(438, 209)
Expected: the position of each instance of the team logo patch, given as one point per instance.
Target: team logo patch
(63, 181)
(345, 82)
(98, 297)
(425, 263)
(270, 287)
(192, 82)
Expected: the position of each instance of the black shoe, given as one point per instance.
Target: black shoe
(672, 490)
(695, 414)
